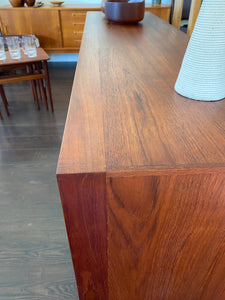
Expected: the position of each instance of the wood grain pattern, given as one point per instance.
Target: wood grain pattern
(163, 158)
(85, 217)
(160, 243)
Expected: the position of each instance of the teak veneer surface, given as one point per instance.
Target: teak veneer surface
(141, 170)
(124, 113)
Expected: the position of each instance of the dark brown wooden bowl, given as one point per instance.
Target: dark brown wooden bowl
(30, 2)
(125, 12)
(16, 3)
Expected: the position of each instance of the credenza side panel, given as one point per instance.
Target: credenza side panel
(166, 237)
(84, 207)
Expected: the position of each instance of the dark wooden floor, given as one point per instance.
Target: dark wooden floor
(35, 260)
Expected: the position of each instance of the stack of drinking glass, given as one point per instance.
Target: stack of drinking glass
(16, 44)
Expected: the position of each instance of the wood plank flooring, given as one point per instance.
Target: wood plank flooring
(35, 261)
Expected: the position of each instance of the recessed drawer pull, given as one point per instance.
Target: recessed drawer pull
(78, 15)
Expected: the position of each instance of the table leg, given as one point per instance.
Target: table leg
(33, 85)
(4, 100)
(48, 83)
(42, 86)
(37, 81)
(35, 93)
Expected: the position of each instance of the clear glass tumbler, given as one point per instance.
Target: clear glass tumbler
(2, 49)
(30, 45)
(22, 41)
(13, 46)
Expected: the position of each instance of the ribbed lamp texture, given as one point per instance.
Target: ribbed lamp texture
(202, 73)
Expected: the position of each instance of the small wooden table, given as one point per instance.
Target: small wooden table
(141, 171)
(9, 64)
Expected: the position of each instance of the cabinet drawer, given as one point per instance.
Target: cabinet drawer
(72, 27)
(76, 27)
(79, 17)
(70, 36)
(70, 17)
(77, 35)
(72, 43)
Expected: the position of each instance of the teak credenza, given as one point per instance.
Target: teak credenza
(141, 171)
(59, 29)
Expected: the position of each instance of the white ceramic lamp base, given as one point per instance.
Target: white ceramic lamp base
(202, 74)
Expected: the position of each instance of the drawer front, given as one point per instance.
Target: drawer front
(72, 16)
(78, 17)
(72, 27)
(76, 27)
(77, 35)
(72, 43)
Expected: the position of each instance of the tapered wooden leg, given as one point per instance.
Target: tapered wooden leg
(4, 100)
(0, 115)
(28, 71)
(36, 82)
(35, 93)
(48, 83)
(42, 86)
(5, 96)
(33, 85)
(39, 88)
(44, 93)
(37, 67)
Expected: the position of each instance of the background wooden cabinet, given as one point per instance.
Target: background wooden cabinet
(43, 23)
(162, 12)
(59, 29)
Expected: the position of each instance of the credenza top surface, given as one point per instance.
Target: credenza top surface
(124, 114)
